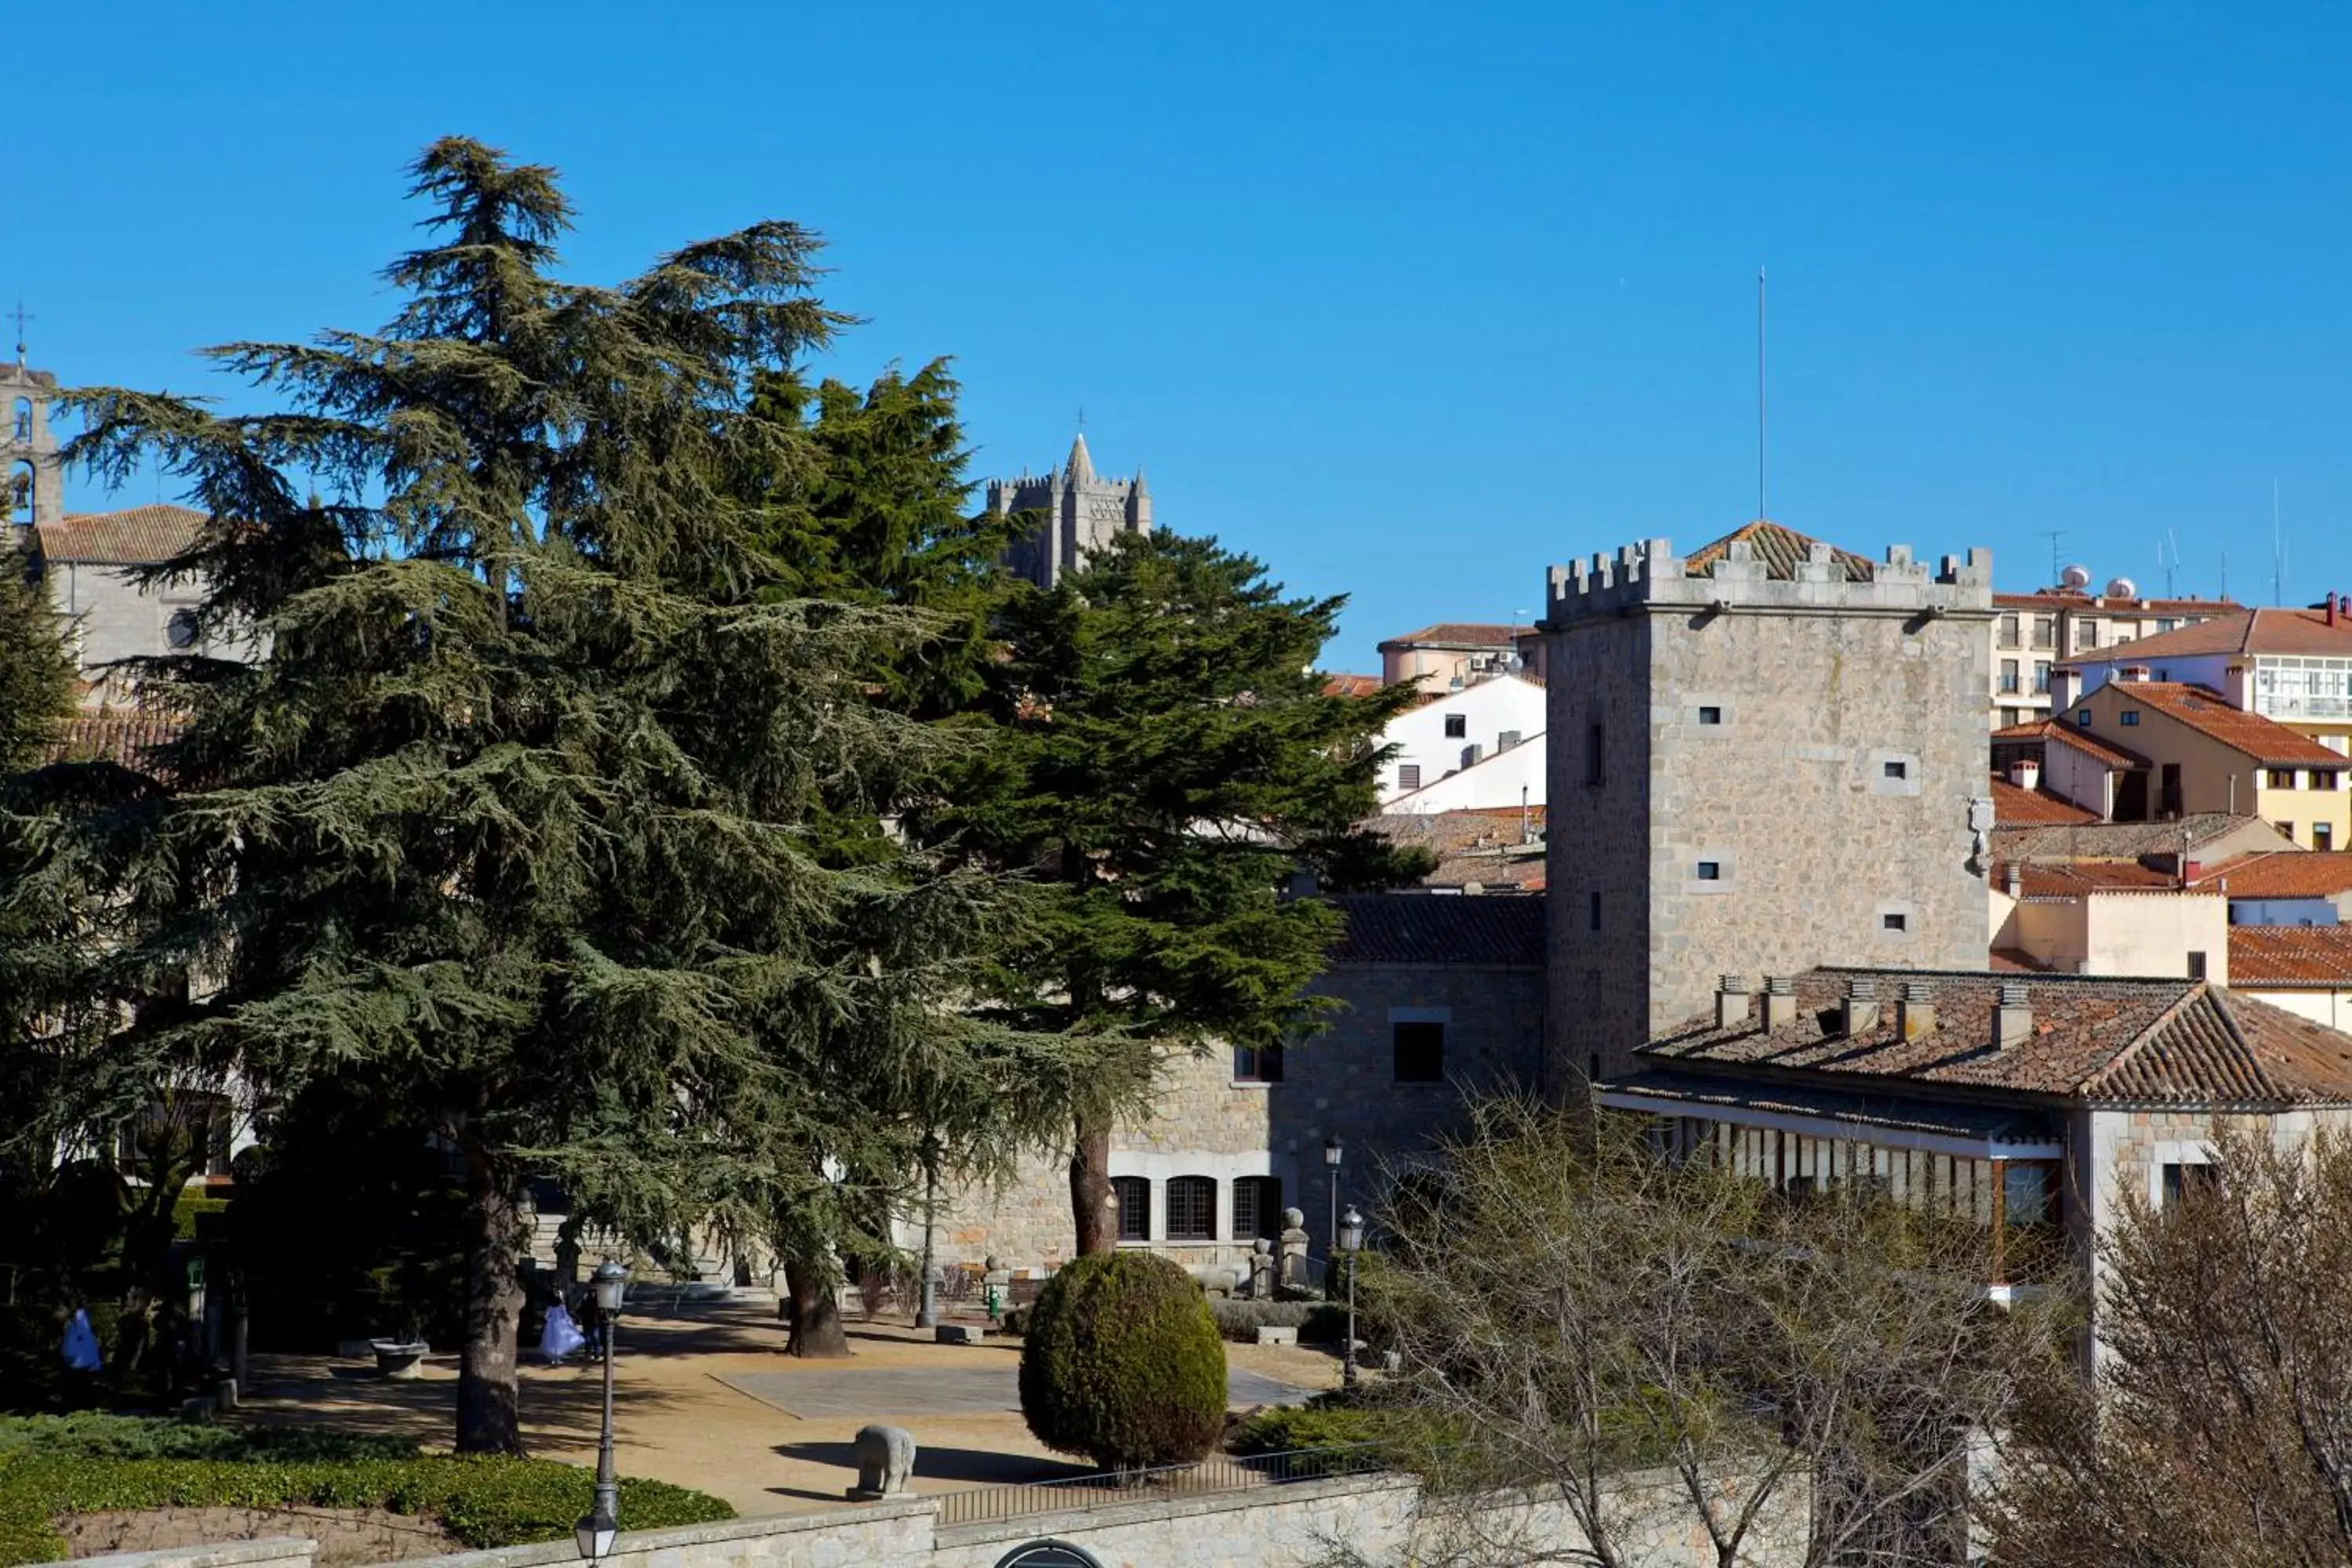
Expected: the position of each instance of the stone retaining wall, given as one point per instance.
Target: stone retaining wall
(1378, 1518)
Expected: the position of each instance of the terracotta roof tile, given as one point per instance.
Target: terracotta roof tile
(136, 536)
(1350, 685)
(1440, 928)
(2093, 1038)
(2210, 714)
(2282, 874)
(1779, 549)
(2129, 840)
(124, 737)
(2291, 955)
(1480, 846)
(2076, 599)
(2016, 807)
(1459, 634)
(2048, 730)
(2268, 631)
(2074, 880)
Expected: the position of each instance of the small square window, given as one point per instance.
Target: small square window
(1594, 922)
(2196, 965)
(1710, 871)
(1257, 1064)
(1710, 715)
(2082, 719)
(1894, 922)
(1457, 725)
(1897, 769)
(1420, 1051)
(1408, 775)
(2130, 718)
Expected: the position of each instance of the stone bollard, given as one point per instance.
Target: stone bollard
(1262, 1270)
(224, 1394)
(1294, 1248)
(886, 1458)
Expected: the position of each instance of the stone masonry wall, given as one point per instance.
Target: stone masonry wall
(1340, 1082)
(1786, 765)
(1379, 1518)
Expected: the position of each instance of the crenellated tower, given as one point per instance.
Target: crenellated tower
(1083, 512)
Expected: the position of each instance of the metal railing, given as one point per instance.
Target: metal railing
(1112, 1489)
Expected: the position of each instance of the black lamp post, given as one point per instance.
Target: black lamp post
(595, 1533)
(1351, 1242)
(1331, 1153)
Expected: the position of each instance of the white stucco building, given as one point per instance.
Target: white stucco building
(1458, 753)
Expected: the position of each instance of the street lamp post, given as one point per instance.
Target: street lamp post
(1351, 1241)
(927, 1306)
(595, 1533)
(1331, 1153)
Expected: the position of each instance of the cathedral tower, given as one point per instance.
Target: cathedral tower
(1083, 512)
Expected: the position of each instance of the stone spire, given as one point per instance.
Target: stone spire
(1081, 467)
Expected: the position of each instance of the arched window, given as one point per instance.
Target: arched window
(24, 421)
(20, 492)
(180, 631)
(1192, 1208)
(1134, 1194)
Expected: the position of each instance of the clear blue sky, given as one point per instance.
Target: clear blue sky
(1410, 302)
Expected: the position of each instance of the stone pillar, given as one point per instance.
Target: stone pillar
(1294, 1248)
(1261, 1279)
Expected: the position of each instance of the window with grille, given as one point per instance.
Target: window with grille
(1192, 1208)
(1134, 1194)
(1257, 1208)
(1420, 1052)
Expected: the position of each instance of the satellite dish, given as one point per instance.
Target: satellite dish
(2076, 577)
(2123, 588)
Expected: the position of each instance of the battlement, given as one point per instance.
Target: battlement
(1650, 575)
(1035, 490)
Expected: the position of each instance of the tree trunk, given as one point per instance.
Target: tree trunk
(489, 1386)
(1097, 1225)
(817, 1311)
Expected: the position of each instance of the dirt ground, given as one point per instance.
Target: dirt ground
(675, 1421)
(346, 1536)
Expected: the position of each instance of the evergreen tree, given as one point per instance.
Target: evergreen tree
(1171, 764)
(516, 826)
(36, 669)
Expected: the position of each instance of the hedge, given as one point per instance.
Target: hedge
(1317, 1322)
(484, 1501)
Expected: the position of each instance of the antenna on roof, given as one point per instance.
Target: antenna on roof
(1760, 427)
(2167, 562)
(2056, 536)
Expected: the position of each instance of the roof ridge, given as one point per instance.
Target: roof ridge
(2199, 991)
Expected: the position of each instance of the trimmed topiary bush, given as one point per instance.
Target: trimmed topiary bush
(1123, 1364)
(1317, 1322)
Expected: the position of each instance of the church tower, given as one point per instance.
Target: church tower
(36, 480)
(1083, 512)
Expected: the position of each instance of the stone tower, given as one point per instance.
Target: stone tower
(1767, 755)
(1082, 510)
(36, 480)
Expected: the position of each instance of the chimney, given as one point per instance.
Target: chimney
(1915, 1015)
(2025, 773)
(1779, 1001)
(2331, 607)
(1731, 1009)
(2012, 880)
(2013, 1018)
(1861, 1005)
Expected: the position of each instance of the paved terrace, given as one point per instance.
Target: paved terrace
(705, 1398)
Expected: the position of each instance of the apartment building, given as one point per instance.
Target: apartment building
(2032, 633)
(2291, 666)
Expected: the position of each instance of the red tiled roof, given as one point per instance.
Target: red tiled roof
(1459, 634)
(1350, 685)
(2282, 874)
(2015, 807)
(136, 536)
(124, 737)
(2047, 729)
(1472, 844)
(2209, 714)
(2093, 1038)
(1779, 549)
(2076, 599)
(2291, 956)
(2261, 631)
(1440, 928)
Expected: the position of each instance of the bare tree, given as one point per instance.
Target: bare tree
(1639, 1345)
(2218, 1429)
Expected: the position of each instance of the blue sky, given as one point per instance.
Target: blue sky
(1409, 301)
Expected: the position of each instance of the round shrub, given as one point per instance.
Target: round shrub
(1123, 1364)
